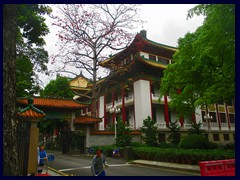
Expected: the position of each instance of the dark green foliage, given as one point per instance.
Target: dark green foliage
(174, 136)
(30, 19)
(58, 88)
(169, 154)
(196, 128)
(149, 131)
(212, 145)
(203, 68)
(194, 141)
(31, 58)
(75, 139)
(137, 144)
(167, 145)
(123, 134)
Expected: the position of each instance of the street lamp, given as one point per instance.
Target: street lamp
(208, 118)
(115, 110)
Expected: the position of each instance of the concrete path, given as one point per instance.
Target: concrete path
(166, 165)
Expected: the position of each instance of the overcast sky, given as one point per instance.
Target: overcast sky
(166, 23)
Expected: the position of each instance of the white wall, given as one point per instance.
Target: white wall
(142, 101)
(71, 124)
(160, 114)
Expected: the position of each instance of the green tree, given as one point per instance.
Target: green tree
(174, 136)
(149, 131)
(30, 54)
(15, 24)
(88, 31)
(58, 88)
(123, 134)
(203, 68)
(196, 128)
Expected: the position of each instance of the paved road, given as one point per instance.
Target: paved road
(79, 165)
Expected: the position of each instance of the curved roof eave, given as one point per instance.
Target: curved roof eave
(151, 63)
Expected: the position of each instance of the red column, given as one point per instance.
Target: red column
(166, 115)
(181, 119)
(123, 106)
(218, 117)
(193, 117)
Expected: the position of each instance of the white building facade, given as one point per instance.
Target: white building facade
(133, 86)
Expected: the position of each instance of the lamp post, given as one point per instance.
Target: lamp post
(115, 110)
(208, 119)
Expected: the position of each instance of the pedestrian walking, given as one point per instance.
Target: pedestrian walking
(42, 158)
(99, 164)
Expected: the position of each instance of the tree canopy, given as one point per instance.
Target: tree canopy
(58, 88)
(88, 32)
(31, 56)
(203, 68)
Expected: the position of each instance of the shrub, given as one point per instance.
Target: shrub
(124, 137)
(212, 145)
(167, 145)
(174, 136)
(138, 144)
(194, 141)
(149, 131)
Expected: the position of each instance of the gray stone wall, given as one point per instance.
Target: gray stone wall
(104, 140)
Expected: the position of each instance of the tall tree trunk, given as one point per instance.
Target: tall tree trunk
(94, 87)
(10, 156)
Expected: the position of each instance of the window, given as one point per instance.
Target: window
(213, 114)
(152, 57)
(226, 137)
(223, 117)
(154, 114)
(162, 60)
(216, 137)
(232, 118)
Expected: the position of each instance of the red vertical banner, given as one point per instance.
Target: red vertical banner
(166, 114)
(123, 105)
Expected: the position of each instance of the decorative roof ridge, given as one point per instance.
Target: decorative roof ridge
(80, 75)
(30, 106)
(59, 99)
(164, 45)
(52, 98)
